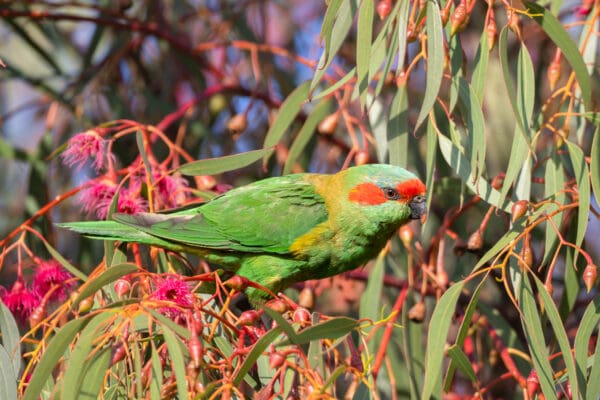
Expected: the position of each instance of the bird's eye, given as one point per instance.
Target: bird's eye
(391, 193)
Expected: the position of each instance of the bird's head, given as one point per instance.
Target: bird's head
(386, 192)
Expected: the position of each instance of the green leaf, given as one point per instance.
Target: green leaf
(177, 361)
(333, 328)
(53, 352)
(553, 185)
(471, 110)
(10, 338)
(460, 360)
(334, 41)
(212, 166)
(480, 67)
(587, 325)
(525, 88)
(95, 373)
(330, 89)
(553, 27)
(286, 115)
(559, 334)
(259, 347)
(436, 340)
(363, 47)
(108, 276)
(370, 301)
(402, 34)
(462, 335)
(462, 167)
(169, 323)
(593, 388)
(378, 123)
(397, 129)
(157, 374)
(519, 153)
(8, 376)
(73, 383)
(522, 126)
(62, 261)
(595, 163)
(430, 158)
(328, 21)
(534, 333)
(435, 59)
(286, 327)
(307, 131)
(583, 184)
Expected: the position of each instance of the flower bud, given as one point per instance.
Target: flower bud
(237, 283)
(361, 157)
(122, 287)
(276, 360)
(590, 273)
(491, 31)
(306, 298)
(519, 209)
(301, 315)
(406, 235)
(206, 182)
(533, 384)
(118, 354)
(196, 350)
(553, 72)
(277, 305)
(383, 8)
(417, 312)
(475, 241)
(459, 18)
(329, 124)
(237, 123)
(249, 317)
(85, 305)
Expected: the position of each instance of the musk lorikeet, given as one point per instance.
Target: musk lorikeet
(286, 229)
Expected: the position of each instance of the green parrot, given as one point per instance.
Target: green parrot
(283, 230)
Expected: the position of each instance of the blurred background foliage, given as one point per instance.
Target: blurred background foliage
(493, 103)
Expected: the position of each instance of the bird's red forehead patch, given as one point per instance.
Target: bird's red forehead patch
(367, 194)
(411, 188)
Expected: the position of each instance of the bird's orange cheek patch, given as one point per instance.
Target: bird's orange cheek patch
(411, 188)
(367, 194)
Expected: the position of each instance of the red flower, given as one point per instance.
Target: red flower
(21, 300)
(130, 202)
(175, 290)
(171, 189)
(49, 274)
(88, 145)
(97, 198)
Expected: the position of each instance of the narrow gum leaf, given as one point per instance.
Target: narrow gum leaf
(212, 166)
(436, 340)
(435, 59)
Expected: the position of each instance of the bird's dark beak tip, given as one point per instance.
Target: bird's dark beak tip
(418, 207)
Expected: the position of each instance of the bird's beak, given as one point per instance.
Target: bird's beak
(418, 207)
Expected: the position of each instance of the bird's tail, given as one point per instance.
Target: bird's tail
(113, 230)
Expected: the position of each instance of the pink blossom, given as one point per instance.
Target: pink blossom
(21, 300)
(170, 189)
(49, 274)
(130, 202)
(175, 290)
(84, 146)
(97, 198)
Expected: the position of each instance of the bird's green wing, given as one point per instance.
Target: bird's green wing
(266, 216)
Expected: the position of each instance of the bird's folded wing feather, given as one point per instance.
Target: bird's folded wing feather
(266, 216)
